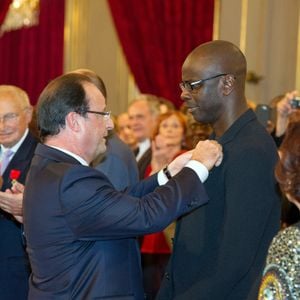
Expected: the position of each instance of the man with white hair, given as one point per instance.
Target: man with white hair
(17, 148)
(143, 112)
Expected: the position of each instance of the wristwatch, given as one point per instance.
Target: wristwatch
(167, 172)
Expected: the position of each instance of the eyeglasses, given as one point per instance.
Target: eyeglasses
(9, 118)
(106, 114)
(194, 85)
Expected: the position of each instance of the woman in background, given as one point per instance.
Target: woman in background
(168, 142)
(281, 279)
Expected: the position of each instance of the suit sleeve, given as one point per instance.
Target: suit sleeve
(93, 209)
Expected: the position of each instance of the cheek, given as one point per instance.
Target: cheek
(100, 130)
(181, 133)
(15, 130)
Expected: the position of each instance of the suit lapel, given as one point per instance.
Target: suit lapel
(20, 161)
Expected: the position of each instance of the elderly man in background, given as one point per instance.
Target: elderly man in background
(143, 113)
(17, 148)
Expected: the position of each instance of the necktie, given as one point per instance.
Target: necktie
(5, 160)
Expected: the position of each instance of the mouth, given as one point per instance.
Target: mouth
(135, 129)
(192, 109)
(5, 134)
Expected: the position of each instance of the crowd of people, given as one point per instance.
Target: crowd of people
(157, 202)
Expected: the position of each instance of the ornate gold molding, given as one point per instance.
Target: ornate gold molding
(216, 28)
(244, 19)
(297, 83)
(75, 37)
(21, 13)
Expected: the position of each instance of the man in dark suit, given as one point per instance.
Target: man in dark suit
(80, 232)
(15, 115)
(143, 112)
(220, 248)
(118, 161)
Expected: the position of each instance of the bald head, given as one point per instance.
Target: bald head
(15, 94)
(218, 57)
(213, 76)
(221, 56)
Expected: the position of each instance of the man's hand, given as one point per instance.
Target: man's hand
(162, 153)
(284, 109)
(11, 201)
(179, 162)
(209, 153)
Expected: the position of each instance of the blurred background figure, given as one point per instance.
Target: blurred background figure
(143, 112)
(165, 105)
(168, 142)
(282, 272)
(284, 106)
(117, 163)
(124, 131)
(17, 149)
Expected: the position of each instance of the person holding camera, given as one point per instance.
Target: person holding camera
(282, 272)
(287, 105)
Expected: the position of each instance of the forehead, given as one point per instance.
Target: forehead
(123, 118)
(94, 95)
(197, 66)
(172, 118)
(139, 107)
(9, 102)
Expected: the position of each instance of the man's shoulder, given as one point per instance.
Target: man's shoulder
(119, 148)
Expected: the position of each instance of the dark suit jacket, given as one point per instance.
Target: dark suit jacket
(14, 264)
(119, 163)
(81, 233)
(220, 248)
(144, 162)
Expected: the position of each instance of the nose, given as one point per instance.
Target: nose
(2, 123)
(185, 95)
(127, 130)
(110, 124)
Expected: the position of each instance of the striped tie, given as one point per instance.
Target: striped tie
(5, 160)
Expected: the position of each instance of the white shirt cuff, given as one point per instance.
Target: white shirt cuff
(195, 165)
(162, 178)
(199, 168)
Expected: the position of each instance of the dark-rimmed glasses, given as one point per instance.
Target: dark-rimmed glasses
(194, 85)
(106, 114)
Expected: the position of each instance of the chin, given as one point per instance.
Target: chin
(203, 118)
(101, 149)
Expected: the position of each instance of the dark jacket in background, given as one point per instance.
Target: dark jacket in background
(14, 264)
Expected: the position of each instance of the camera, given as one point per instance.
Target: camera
(295, 103)
(264, 114)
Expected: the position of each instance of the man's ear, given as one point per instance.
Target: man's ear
(228, 84)
(73, 121)
(28, 113)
